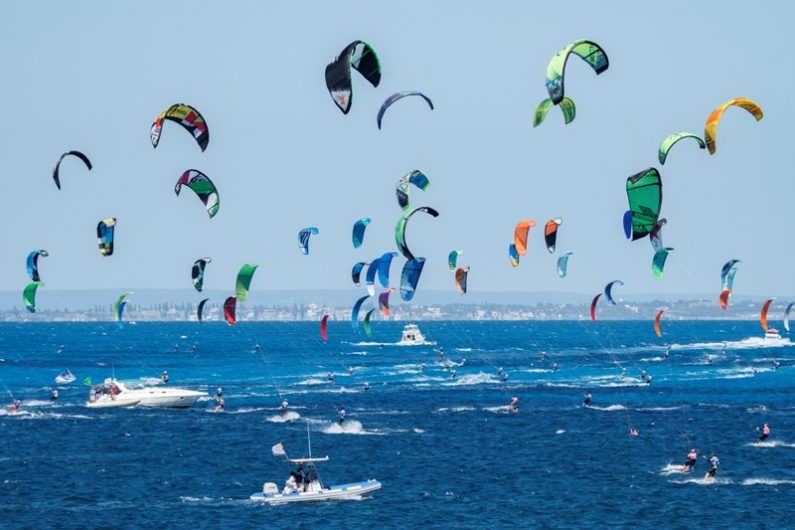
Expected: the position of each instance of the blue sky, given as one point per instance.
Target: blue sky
(93, 76)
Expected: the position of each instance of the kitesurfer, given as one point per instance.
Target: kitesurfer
(60, 348)
(366, 386)
(15, 406)
(422, 367)
(504, 378)
(586, 399)
(765, 432)
(543, 355)
(692, 456)
(283, 408)
(633, 432)
(53, 394)
(513, 406)
(330, 378)
(648, 380)
(667, 351)
(500, 371)
(452, 373)
(350, 370)
(220, 406)
(643, 374)
(257, 348)
(623, 372)
(92, 394)
(164, 376)
(554, 367)
(341, 415)
(219, 392)
(714, 463)
(776, 365)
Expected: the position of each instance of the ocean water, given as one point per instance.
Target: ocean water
(446, 451)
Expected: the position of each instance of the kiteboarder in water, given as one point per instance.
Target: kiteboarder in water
(341, 415)
(513, 406)
(692, 456)
(714, 463)
(586, 399)
(283, 409)
(765, 432)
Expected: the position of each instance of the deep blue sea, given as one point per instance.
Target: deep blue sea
(447, 452)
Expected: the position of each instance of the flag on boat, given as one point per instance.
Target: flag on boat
(87, 381)
(278, 450)
(64, 378)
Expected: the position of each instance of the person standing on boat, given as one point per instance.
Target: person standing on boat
(164, 376)
(341, 415)
(765, 432)
(300, 478)
(113, 390)
(290, 486)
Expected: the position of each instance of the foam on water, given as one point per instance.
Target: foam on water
(609, 408)
(770, 444)
(766, 482)
(750, 343)
(288, 416)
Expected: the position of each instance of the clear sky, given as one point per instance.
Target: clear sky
(93, 75)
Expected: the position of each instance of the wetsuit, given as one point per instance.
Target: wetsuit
(714, 469)
(765, 433)
(691, 461)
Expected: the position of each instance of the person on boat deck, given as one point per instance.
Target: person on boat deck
(714, 462)
(53, 394)
(164, 376)
(15, 406)
(366, 386)
(290, 485)
(220, 406)
(692, 456)
(586, 399)
(92, 394)
(513, 406)
(765, 432)
(113, 390)
(341, 415)
(283, 408)
(300, 478)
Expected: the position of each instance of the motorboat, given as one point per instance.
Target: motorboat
(109, 395)
(412, 336)
(772, 334)
(305, 485)
(143, 396)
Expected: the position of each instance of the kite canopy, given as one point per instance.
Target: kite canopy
(395, 97)
(711, 127)
(303, 238)
(229, 310)
(563, 264)
(323, 322)
(727, 273)
(197, 272)
(244, 281)
(203, 187)
(105, 230)
(520, 235)
(400, 229)
(355, 312)
(763, 314)
(118, 307)
(188, 117)
(417, 178)
(361, 57)
(384, 262)
(367, 329)
(786, 315)
(409, 277)
(644, 192)
(32, 264)
(724, 298)
(566, 106)
(358, 231)
(461, 279)
(77, 154)
(356, 273)
(452, 258)
(29, 296)
(587, 50)
(628, 224)
(200, 309)
(657, 321)
(551, 233)
(383, 302)
(369, 279)
(593, 306)
(609, 290)
(670, 140)
(658, 261)
(655, 236)
(513, 255)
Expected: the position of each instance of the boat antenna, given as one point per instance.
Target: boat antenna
(308, 440)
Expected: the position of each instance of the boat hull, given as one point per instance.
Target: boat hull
(342, 492)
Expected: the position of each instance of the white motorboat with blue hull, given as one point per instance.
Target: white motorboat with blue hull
(305, 485)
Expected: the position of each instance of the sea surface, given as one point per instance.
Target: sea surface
(447, 451)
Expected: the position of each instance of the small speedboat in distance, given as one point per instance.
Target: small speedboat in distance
(311, 488)
(412, 336)
(772, 334)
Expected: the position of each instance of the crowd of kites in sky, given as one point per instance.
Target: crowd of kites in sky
(642, 219)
